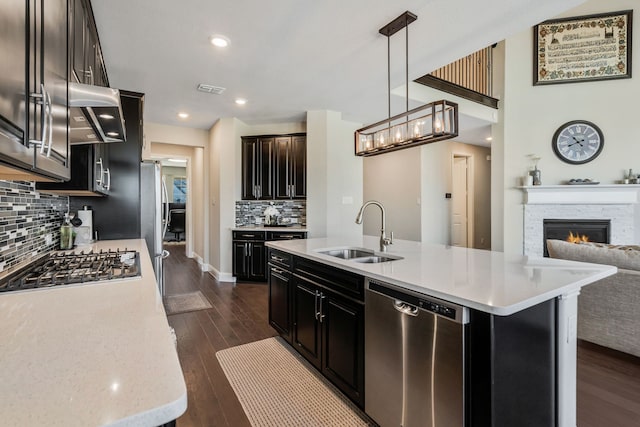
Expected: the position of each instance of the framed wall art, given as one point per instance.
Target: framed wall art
(583, 48)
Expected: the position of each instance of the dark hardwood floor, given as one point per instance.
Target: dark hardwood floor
(238, 316)
(608, 381)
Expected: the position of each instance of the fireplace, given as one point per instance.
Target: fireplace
(594, 230)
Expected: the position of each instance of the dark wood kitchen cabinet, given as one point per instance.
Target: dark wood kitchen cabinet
(280, 293)
(290, 167)
(34, 137)
(90, 173)
(257, 168)
(87, 62)
(324, 316)
(274, 167)
(249, 255)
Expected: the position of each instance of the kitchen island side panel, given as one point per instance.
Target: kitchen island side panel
(117, 216)
(512, 370)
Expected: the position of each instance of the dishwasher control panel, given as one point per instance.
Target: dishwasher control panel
(423, 302)
(437, 308)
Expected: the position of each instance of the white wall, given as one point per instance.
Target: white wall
(161, 133)
(533, 113)
(436, 178)
(393, 179)
(334, 176)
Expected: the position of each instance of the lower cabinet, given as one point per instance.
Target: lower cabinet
(280, 295)
(248, 261)
(328, 330)
(249, 252)
(320, 312)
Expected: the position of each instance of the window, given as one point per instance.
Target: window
(179, 190)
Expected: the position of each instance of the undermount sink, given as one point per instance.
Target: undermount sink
(347, 253)
(361, 255)
(375, 259)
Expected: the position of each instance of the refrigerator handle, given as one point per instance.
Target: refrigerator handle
(165, 199)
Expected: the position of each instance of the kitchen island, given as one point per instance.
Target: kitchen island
(98, 353)
(518, 339)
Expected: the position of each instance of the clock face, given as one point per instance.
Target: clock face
(578, 142)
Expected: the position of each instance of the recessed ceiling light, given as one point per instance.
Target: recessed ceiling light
(241, 101)
(219, 40)
(113, 133)
(183, 115)
(489, 138)
(178, 160)
(106, 116)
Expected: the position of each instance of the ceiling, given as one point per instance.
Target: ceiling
(290, 56)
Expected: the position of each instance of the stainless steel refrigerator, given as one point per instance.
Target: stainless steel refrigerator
(154, 209)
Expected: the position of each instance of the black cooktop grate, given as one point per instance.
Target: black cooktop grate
(64, 268)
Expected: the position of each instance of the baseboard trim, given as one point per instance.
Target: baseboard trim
(203, 266)
(219, 276)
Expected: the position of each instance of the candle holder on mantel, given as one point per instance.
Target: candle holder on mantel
(535, 173)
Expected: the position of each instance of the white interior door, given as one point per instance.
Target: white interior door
(460, 205)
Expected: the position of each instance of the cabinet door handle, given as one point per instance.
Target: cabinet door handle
(322, 297)
(44, 100)
(108, 173)
(50, 104)
(277, 258)
(292, 191)
(277, 270)
(315, 308)
(288, 190)
(99, 180)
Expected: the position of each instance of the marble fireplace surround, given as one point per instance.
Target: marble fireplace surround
(614, 202)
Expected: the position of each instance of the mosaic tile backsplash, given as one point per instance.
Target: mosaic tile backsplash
(251, 212)
(29, 222)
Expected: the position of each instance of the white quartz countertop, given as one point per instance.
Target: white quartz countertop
(90, 354)
(492, 282)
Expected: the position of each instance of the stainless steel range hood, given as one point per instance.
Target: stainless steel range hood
(95, 115)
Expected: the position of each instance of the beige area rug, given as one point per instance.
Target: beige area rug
(277, 388)
(183, 303)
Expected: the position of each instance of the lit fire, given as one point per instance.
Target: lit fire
(576, 238)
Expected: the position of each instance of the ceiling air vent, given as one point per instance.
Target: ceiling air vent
(216, 90)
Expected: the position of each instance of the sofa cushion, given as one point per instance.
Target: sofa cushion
(621, 256)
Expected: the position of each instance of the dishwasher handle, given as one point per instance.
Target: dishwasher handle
(404, 308)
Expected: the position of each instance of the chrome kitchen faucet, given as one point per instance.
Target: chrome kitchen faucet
(384, 240)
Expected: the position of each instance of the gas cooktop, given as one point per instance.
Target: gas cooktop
(64, 268)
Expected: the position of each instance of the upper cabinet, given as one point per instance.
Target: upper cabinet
(274, 167)
(34, 113)
(257, 168)
(88, 65)
(291, 167)
(90, 173)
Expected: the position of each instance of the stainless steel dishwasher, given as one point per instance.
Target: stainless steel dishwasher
(414, 358)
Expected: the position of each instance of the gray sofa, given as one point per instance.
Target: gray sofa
(609, 309)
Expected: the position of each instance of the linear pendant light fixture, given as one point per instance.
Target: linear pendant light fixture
(428, 123)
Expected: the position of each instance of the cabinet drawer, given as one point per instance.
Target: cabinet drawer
(248, 235)
(286, 235)
(346, 283)
(281, 259)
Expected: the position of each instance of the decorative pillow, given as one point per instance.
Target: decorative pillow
(621, 256)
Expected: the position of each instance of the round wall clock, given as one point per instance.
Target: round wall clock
(577, 142)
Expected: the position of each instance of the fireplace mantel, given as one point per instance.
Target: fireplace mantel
(598, 194)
